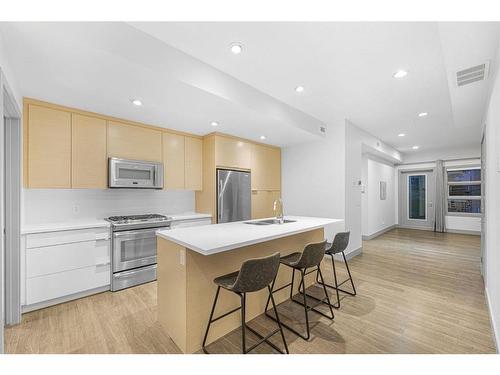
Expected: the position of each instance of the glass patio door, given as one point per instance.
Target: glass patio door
(417, 203)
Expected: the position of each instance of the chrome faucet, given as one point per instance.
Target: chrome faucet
(278, 210)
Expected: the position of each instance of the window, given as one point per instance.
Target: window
(464, 191)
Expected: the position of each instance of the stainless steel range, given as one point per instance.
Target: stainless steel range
(133, 257)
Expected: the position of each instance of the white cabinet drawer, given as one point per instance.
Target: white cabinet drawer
(44, 288)
(59, 258)
(67, 236)
(191, 223)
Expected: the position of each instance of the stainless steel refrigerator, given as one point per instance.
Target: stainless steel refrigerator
(234, 194)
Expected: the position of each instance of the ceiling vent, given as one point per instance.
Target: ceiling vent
(473, 74)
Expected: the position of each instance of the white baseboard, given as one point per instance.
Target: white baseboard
(459, 231)
(354, 253)
(410, 227)
(376, 234)
(348, 256)
(496, 339)
(57, 301)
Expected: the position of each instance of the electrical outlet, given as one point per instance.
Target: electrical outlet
(182, 257)
(76, 208)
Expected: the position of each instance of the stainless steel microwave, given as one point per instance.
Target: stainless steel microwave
(135, 174)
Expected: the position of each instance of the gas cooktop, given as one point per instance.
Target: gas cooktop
(131, 219)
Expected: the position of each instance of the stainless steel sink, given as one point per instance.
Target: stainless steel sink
(269, 222)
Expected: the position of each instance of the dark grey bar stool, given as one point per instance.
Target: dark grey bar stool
(338, 245)
(311, 257)
(254, 275)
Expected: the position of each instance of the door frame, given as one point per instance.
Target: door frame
(410, 174)
(483, 203)
(10, 207)
(413, 171)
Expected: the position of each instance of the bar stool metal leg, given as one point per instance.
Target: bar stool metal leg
(326, 293)
(337, 285)
(307, 308)
(327, 298)
(302, 272)
(210, 320)
(254, 275)
(337, 304)
(243, 324)
(350, 277)
(278, 318)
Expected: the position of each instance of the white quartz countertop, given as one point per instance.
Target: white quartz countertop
(217, 238)
(189, 216)
(67, 225)
(94, 223)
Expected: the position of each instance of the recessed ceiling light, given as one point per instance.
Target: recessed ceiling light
(262, 137)
(415, 147)
(400, 74)
(214, 123)
(422, 114)
(236, 48)
(136, 102)
(401, 134)
(299, 89)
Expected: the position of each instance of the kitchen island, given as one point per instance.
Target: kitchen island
(190, 258)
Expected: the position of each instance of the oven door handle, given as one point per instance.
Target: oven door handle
(136, 233)
(134, 272)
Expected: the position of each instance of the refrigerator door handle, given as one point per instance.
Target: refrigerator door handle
(220, 201)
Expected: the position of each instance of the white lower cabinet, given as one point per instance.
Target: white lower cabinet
(62, 284)
(58, 265)
(60, 258)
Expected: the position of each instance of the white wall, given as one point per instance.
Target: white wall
(8, 74)
(377, 214)
(492, 205)
(357, 143)
(470, 224)
(56, 205)
(313, 178)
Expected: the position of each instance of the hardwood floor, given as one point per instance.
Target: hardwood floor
(418, 292)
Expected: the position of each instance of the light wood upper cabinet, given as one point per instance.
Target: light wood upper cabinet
(49, 148)
(88, 150)
(266, 168)
(262, 203)
(232, 153)
(173, 161)
(134, 142)
(193, 162)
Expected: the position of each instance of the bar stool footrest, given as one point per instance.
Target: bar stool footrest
(288, 327)
(339, 289)
(263, 339)
(313, 308)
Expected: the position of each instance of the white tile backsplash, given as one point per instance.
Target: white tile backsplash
(58, 205)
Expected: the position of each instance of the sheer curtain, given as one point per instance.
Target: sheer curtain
(440, 203)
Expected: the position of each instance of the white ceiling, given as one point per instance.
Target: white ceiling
(346, 69)
(100, 67)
